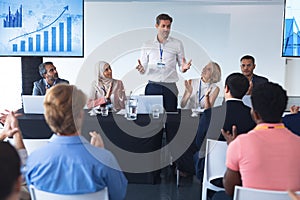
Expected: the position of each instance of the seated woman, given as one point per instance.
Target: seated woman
(196, 89)
(106, 90)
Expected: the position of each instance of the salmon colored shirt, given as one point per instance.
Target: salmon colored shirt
(268, 157)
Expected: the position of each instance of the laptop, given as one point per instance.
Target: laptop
(33, 104)
(292, 100)
(147, 102)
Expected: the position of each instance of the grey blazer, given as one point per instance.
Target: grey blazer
(39, 87)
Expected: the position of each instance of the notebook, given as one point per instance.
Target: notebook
(147, 102)
(33, 104)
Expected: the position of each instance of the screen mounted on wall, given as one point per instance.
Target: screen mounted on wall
(291, 29)
(48, 28)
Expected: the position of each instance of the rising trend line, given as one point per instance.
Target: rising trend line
(65, 8)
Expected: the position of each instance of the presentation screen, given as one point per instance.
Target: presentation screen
(41, 28)
(291, 34)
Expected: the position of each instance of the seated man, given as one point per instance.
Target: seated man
(248, 65)
(231, 112)
(268, 156)
(68, 164)
(49, 78)
(292, 121)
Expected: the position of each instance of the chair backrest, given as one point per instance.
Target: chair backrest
(243, 193)
(31, 144)
(42, 195)
(214, 167)
(215, 159)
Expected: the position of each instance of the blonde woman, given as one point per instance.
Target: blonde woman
(201, 93)
(69, 164)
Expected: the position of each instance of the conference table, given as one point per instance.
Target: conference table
(138, 145)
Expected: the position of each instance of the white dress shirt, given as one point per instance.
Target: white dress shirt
(170, 53)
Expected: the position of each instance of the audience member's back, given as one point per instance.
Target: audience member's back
(268, 156)
(231, 112)
(69, 164)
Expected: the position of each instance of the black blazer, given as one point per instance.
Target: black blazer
(231, 112)
(292, 122)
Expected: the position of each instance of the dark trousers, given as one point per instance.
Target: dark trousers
(169, 92)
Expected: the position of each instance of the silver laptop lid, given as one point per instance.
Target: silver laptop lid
(147, 102)
(33, 104)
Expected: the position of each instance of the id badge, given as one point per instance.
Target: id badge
(161, 65)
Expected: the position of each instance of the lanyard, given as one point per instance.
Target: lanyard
(199, 94)
(261, 127)
(104, 90)
(200, 97)
(160, 52)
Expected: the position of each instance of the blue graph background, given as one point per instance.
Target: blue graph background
(291, 34)
(41, 28)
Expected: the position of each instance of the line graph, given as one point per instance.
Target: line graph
(65, 9)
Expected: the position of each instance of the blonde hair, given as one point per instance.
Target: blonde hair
(63, 105)
(216, 72)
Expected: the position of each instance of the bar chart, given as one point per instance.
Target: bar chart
(34, 43)
(13, 20)
(291, 45)
(30, 28)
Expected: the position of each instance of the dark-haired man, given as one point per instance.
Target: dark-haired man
(10, 173)
(232, 112)
(268, 156)
(49, 78)
(248, 65)
(159, 58)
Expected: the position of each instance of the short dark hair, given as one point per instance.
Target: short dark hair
(248, 57)
(9, 169)
(42, 68)
(269, 100)
(163, 17)
(237, 84)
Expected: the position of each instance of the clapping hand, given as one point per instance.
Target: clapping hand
(11, 126)
(249, 92)
(188, 86)
(293, 195)
(230, 136)
(294, 109)
(96, 139)
(207, 100)
(4, 114)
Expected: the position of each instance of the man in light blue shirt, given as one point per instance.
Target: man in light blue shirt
(69, 164)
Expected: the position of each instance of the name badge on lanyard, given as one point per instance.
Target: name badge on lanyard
(160, 64)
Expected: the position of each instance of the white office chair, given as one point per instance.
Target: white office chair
(214, 167)
(31, 144)
(242, 193)
(42, 195)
